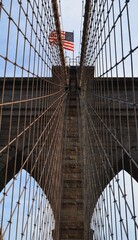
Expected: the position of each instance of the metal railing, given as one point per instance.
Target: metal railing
(72, 61)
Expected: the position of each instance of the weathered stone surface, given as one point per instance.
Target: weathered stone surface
(72, 220)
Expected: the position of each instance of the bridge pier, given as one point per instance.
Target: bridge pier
(72, 219)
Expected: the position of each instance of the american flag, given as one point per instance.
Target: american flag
(68, 42)
(67, 39)
(53, 39)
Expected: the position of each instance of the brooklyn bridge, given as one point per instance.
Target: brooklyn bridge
(68, 128)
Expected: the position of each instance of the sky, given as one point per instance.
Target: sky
(27, 205)
(71, 20)
(110, 207)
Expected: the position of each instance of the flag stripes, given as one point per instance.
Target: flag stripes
(68, 42)
(67, 39)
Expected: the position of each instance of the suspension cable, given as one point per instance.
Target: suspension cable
(58, 29)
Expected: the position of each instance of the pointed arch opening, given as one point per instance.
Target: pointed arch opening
(116, 213)
(25, 212)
